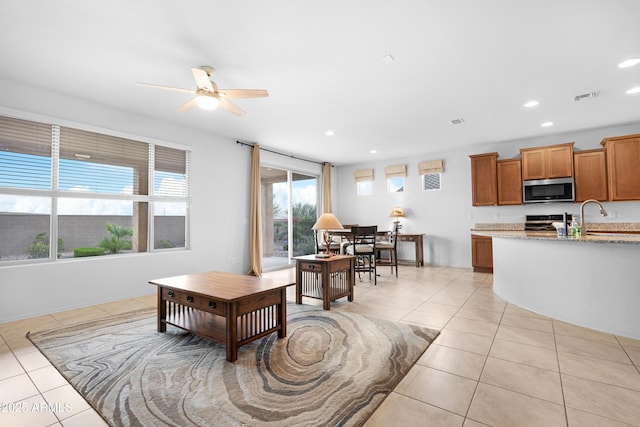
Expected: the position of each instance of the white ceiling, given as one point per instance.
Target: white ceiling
(321, 62)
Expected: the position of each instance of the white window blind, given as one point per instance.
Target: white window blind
(97, 163)
(397, 171)
(170, 172)
(430, 167)
(363, 175)
(25, 154)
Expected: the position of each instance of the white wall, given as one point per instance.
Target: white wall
(219, 214)
(446, 216)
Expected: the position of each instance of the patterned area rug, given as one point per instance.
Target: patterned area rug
(333, 368)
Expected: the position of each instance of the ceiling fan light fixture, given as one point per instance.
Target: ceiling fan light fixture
(207, 102)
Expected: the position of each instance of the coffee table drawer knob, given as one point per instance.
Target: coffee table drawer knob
(190, 298)
(170, 293)
(212, 304)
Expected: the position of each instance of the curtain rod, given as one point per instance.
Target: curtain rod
(247, 144)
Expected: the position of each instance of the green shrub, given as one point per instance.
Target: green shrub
(83, 252)
(116, 242)
(164, 244)
(40, 247)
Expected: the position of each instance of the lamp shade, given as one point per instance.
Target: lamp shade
(327, 221)
(396, 212)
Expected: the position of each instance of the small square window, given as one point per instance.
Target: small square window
(364, 188)
(431, 181)
(396, 185)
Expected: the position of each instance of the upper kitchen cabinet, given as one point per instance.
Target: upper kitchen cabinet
(483, 179)
(509, 173)
(590, 175)
(623, 167)
(553, 161)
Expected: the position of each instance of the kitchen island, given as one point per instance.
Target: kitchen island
(593, 281)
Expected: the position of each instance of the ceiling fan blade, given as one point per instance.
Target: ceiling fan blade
(231, 107)
(243, 93)
(174, 89)
(189, 104)
(202, 79)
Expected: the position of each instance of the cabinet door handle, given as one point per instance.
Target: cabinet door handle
(190, 298)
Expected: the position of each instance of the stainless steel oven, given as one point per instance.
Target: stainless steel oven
(544, 222)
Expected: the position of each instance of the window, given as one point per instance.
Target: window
(364, 188)
(431, 181)
(74, 193)
(395, 185)
(364, 182)
(430, 172)
(25, 226)
(395, 178)
(170, 190)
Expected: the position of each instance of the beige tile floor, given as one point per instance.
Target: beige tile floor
(493, 364)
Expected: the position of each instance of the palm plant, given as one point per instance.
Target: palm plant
(116, 242)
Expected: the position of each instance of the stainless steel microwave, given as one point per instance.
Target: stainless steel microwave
(548, 190)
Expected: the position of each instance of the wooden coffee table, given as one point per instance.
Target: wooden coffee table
(230, 309)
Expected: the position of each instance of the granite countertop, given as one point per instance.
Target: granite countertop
(591, 237)
(612, 227)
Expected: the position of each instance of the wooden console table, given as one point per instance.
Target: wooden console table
(230, 309)
(325, 278)
(417, 240)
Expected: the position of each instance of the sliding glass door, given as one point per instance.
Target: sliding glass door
(289, 210)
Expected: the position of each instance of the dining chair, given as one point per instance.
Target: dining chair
(362, 244)
(390, 247)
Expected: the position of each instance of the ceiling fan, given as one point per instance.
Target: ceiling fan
(208, 96)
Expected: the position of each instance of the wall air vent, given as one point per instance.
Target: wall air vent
(457, 121)
(586, 96)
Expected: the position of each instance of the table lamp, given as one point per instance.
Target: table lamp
(327, 221)
(396, 213)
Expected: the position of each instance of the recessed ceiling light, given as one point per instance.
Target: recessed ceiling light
(388, 59)
(546, 124)
(629, 63)
(531, 103)
(373, 151)
(634, 90)
(329, 133)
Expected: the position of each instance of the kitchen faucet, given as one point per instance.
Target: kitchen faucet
(603, 212)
